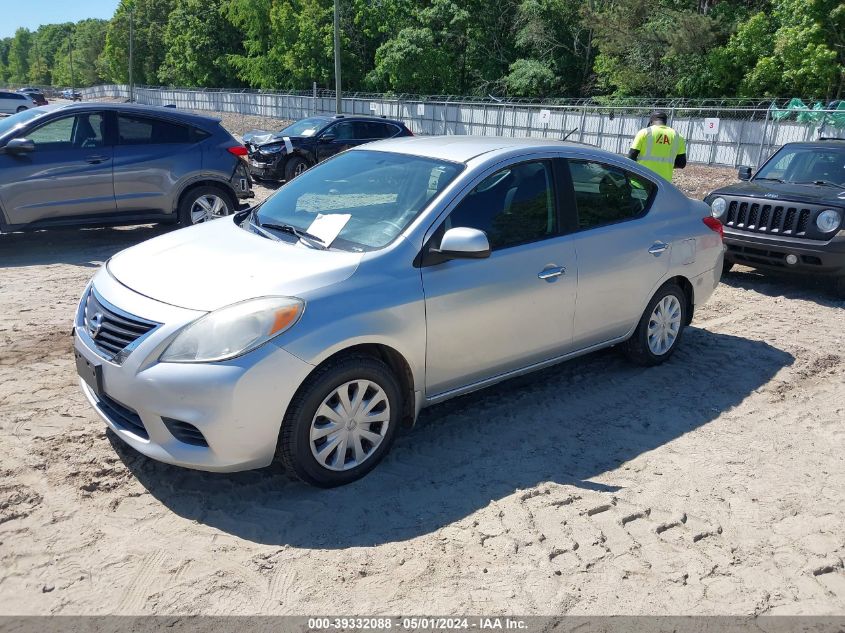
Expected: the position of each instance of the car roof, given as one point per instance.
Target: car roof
(461, 149)
(350, 117)
(188, 117)
(825, 143)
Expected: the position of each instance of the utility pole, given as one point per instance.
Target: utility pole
(338, 107)
(131, 51)
(70, 51)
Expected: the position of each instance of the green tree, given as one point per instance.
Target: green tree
(150, 19)
(18, 64)
(199, 40)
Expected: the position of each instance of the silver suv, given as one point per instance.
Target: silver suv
(388, 278)
(100, 163)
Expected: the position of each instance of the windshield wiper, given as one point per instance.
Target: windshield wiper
(292, 230)
(772, 179)
(826, 183)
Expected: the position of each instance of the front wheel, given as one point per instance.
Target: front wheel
(294, 167)
(341, 422)
(204, 204)
(660, 328)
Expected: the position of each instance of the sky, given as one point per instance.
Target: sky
(32, 13)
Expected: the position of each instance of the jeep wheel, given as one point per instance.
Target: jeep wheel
(839, 287)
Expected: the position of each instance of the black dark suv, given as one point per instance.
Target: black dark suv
(789, 215)
(285, 154)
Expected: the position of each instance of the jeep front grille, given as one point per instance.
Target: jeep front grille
(775, 219)
(112, 330)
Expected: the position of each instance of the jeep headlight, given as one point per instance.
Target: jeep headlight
(234, 330)
(828, 220)
(718, 207)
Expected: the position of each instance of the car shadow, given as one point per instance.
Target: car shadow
(791, 286)
(87, 247)
(568, 424)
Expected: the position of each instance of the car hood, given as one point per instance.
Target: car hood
(216, 264)
(813, 194)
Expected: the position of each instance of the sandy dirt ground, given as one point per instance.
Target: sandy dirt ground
(712, 484)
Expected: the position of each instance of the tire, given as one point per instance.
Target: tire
(648, 351)
(297, 449)
(204, 203)
(294, 166)
(21, 109)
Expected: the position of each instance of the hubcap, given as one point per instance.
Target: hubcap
(664, 325)
(350, 425)
(299, 169)
(209, 207)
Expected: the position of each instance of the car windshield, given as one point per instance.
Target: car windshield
(367, 197)
(806, 165)
(18, 120)
(305, 127)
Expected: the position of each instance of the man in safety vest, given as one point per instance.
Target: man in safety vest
(659, 147)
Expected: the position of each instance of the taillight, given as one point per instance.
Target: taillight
(237, 150)
(714, 225)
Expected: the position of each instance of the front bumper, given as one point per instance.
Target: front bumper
(813, 256)
(236, 405)
(272, 170)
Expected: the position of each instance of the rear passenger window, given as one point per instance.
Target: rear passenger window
(606, 194)
(375, 129)
(513, 206)
(136, 130)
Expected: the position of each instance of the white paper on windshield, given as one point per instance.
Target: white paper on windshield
(308, 132)
(328, 227)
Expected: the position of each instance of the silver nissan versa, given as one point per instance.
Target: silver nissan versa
(386, 279)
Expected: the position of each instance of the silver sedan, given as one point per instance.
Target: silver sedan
(391, 277)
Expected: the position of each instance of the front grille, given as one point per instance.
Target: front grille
(796, 221)
(185, 432)
(112, 331)
(122, 416)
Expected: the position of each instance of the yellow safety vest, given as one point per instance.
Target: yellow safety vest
(658, 146)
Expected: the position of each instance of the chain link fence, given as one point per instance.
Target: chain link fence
(727, 132)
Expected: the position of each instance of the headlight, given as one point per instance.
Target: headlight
(718, 207)
(233, 330)
(828, 220)
(271, 149)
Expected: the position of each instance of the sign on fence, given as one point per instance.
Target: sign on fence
(545, 116)
(711, 126)
(420, 109)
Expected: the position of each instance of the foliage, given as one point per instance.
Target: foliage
(529, 48)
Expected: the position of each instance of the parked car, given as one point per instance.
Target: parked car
(388, 278)
(285, 154)
(36, 95)
(12, 102)
(100, 163)
(73, 95)
(789, 215)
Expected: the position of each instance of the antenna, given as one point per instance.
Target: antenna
(569, 133)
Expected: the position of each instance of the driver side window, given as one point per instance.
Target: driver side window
(80, 131)
(513, 206)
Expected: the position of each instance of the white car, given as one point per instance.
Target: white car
(390, 277)
(14, 102)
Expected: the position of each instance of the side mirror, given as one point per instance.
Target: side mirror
(327, 138)
(744, 173)
(19, 146)
(463, 242)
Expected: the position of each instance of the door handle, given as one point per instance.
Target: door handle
(549, 274)
(658, 248)
(95, 160)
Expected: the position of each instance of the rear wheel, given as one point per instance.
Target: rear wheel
(203, 204)
(660, 328)
(294, 167)
(21, 109)
(341, 422)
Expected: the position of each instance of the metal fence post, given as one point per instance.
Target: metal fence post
(763, 138)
